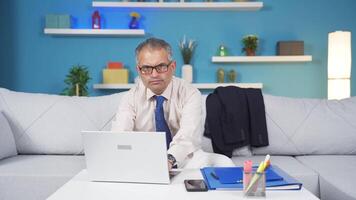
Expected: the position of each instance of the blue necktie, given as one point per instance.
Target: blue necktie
(161, 124)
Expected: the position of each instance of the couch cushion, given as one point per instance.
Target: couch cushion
(291, 166)
(7, 142)
(51, 124)
(35, 177)
(309, 126)
(336, 175)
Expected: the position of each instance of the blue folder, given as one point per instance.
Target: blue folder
(287, 183)
(227, 175)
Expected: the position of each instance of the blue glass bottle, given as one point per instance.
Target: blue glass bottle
(134, 23)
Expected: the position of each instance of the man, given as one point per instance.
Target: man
(161, 102)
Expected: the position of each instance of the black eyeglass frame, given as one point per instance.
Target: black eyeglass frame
(160, 68)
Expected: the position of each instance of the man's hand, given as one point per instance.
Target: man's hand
(171, 161)
(170, 165)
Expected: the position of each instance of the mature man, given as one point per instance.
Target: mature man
(161, 102)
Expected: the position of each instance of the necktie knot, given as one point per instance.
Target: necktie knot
(159, 101)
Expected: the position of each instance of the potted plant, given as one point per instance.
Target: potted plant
(76, 81)
(187, 48)
(250, 43)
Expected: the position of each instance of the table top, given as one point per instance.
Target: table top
(80, 187)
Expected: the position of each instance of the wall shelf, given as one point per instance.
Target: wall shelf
(237, 6)
(256, 59)
(201, 86)
(94, 32)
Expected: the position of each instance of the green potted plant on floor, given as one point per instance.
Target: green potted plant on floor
(76, 81)
(250, 44)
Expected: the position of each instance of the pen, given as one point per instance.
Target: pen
(247, 170)
(214, 176)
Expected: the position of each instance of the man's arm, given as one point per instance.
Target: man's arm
(125, 116)
(188, 138)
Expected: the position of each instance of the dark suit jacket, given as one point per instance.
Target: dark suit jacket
(235, 118)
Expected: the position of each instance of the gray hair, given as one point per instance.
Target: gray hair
(154, 43)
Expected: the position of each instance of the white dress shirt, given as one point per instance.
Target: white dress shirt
(182, 111)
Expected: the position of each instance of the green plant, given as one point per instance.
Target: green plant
(187, 49)
(250, 42)
(76, 81)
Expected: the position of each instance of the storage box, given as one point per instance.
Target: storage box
(59, 21)
(64, 21)
(115, 65)
(112, 76)
(51, 21)
(290, 48)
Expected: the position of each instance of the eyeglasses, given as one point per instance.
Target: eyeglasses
(160, 68)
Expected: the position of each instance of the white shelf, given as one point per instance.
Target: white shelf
(197, 85)
(237, 6)
(215, 85)
(254, 59)
(95, 32)
(114, 86)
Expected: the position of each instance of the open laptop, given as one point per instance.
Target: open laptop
(138, 157)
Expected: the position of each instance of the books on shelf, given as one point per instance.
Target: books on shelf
(224, 178)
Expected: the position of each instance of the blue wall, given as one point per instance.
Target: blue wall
(33, 62)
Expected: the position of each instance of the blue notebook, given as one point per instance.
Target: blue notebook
(227, 175)
(287, 183)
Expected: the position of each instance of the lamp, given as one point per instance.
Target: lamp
(339, 64)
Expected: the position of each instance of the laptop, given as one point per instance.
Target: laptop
(137, 157)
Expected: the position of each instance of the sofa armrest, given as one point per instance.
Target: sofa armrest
(7, 142)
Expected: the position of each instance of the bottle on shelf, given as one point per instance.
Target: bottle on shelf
(96, 21)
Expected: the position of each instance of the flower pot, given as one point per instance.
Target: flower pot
(187, 73)
(250, 52)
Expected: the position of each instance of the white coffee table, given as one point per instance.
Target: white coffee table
(80, 187)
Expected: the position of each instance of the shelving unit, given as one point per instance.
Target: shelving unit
(95, 32)
(236, 6)
(201, 86)
(260, 59)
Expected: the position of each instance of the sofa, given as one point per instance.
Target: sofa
(314, 140)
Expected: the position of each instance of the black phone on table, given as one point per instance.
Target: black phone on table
(195, 185)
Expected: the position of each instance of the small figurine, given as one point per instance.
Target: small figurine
(134, 20)
(222, 51)
(232, 76)
(96, 21)
(220, 75)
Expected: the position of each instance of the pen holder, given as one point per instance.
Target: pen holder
(254, 184)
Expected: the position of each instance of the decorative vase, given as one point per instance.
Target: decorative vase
(220, 75)
(134, 23)
(232, 76)
(96, 20)
(222, 51)
(250, 52)
(187, 73)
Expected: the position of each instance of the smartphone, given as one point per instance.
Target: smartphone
(195, 185)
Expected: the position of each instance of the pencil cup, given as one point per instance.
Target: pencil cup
(254, 184)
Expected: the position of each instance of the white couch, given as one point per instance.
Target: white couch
(40, 145)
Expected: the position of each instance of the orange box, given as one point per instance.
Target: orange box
(115, 65)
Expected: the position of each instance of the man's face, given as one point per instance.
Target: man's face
(157, 81)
